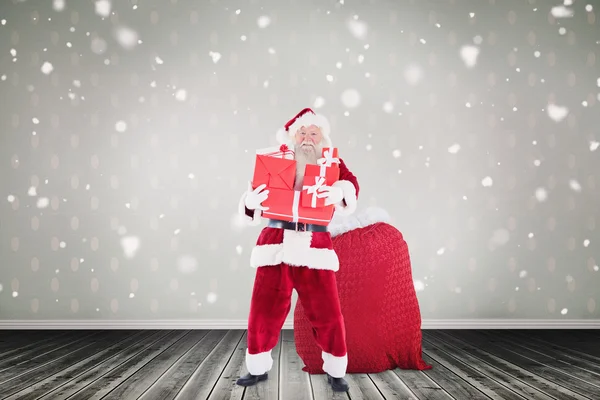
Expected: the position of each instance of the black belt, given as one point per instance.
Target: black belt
(296, 226)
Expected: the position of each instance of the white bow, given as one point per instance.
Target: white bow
(313, 189)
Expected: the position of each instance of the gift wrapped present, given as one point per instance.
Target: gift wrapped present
(275, 167)
(326, 173)
(285, 205)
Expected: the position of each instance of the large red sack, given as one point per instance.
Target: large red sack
(377, 296)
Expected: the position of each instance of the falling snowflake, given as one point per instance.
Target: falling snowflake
(10, 198)
(419, 285)
(561, 12)
(454, 148)
(357, 28)
(350, 98)
(263, 21)
(126, 37)
(487, 181)
(103, 8)
(181, 95)
(413, 74)
(594, 145)
(522, 274)
(575, 186)
(329, 78)
(586, 243)
(388, 107)
(158, 60)
(211, 297)
(541, 194)
(557, 113)
(187, 264)
(43, 202)
(589, 8)
(238, 249)
(564, 311)
(121, 126)
(47, 68)
(319, 102)
(396, 153)
(58, 5)
(530, 235)
(130, 245)
(32, 191)
(441, 251)
(469, 54)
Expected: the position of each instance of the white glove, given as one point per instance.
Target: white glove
(254, 198)
(334, 194)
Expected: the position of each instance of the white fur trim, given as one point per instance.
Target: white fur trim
(252, 221)
(341, 224)
(295, 250)
(349, 197)
(258, 364)
(335, 366)
(307, 119)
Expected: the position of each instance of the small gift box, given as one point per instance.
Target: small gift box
(275, 167)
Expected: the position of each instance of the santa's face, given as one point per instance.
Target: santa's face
(307, 147)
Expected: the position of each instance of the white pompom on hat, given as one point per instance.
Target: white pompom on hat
(306, 117)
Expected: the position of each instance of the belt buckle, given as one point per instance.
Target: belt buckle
(300, 227)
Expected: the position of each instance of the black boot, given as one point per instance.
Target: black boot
(250, 380)
(338, 384)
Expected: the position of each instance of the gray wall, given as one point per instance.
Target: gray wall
(121, 167)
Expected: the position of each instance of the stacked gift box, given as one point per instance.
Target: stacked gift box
(276, 168)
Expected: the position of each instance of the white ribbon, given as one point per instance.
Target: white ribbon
(295, 205)
(327, 160)
(313, 189)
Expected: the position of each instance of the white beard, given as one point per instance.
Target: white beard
(304, 157)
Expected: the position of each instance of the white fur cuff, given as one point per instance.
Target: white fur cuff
(334, 366)
(258, 364)
(252, 221)
(349, 197)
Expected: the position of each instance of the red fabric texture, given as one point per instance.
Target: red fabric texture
(378, 302)
(271, 304)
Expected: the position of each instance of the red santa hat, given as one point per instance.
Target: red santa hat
(306, 117)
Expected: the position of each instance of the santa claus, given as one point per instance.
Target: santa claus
(298, 256)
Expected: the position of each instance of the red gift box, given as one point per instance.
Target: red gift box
(328, 170)
(285, 205)
(275, 167)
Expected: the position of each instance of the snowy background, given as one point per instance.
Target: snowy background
(127, 133)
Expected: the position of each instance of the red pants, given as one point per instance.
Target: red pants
(271, 303)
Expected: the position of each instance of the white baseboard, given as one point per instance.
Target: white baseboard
(242, 324)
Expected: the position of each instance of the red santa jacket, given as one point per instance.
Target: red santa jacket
(308, 249)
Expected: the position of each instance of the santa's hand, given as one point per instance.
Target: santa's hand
(254, 198)
(334, 195)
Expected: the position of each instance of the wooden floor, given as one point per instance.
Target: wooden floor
(200, 364)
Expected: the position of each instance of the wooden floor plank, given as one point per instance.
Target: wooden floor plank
(480, 340)
(107, 382)
(543, 385)
(579, 359)
(142, 379)
(19, 366)
(52, 382)
(18, 342)
(391, 386)
(182, 365)
(321, 389)
(362, 388)
(587, 381)
(426, 386)
(81, 381)
(226, 388)
(294, 384)
(494, 372)
(62, 361)
(210, 355)
(268, 390)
